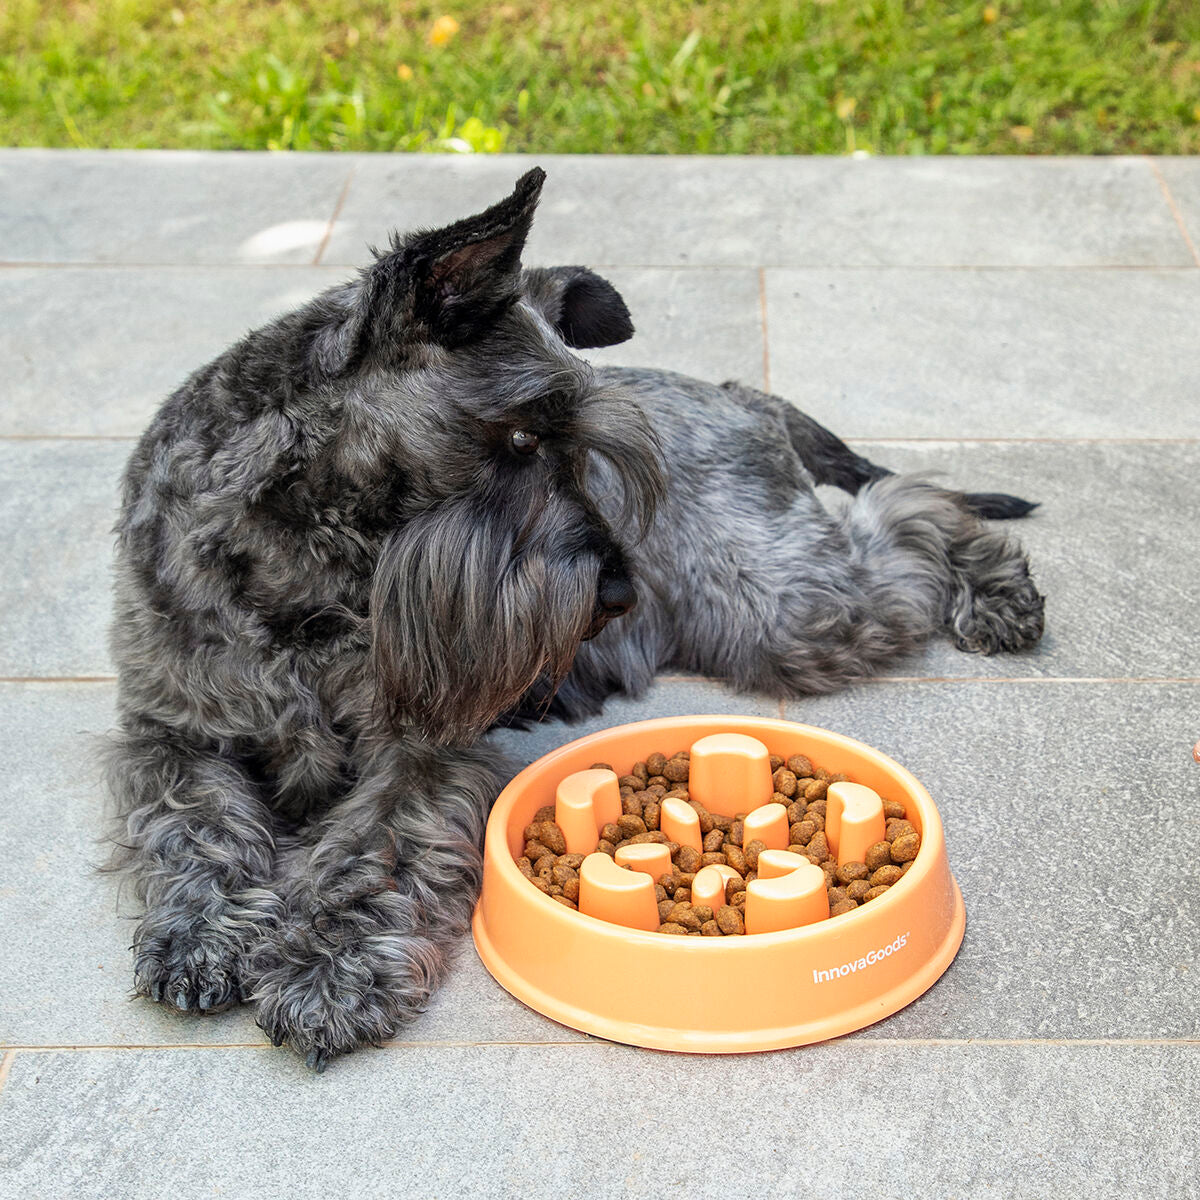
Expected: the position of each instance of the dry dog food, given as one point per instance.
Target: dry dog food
(799, 786)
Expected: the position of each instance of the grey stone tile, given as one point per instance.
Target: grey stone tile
(734, 211)
(95, 351)
(58, 503)
(1069, 811)
(1109, 549)
(169, 206)
(604, 1121)
(65, 972)
(704, 323)
(1182, 176)
(987, 353)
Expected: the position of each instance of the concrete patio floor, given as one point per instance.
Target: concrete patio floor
(1026, 325)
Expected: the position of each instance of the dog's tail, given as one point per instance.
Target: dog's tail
(996, 506)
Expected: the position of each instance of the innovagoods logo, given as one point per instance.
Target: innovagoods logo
(861, 964)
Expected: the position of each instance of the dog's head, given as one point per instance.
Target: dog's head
(517, 480)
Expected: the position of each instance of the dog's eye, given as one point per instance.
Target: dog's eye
(523, 442)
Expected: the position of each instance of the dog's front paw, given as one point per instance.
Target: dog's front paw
(1007, 614)
(181, 959)
(327, 993)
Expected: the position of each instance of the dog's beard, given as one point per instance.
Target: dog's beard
(466, 619)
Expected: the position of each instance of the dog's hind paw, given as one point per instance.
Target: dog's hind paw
(1007, 616)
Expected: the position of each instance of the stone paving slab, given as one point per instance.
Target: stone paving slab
(177, 206)
(788, 211)
(1110, 548)
(972, 353)
(95, 351)
(602, 1121)
(1182, 177)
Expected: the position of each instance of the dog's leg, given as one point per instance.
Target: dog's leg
(381, 896)
(199, 847)
(824, 600)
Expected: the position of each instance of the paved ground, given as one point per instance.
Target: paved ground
(1026, 325)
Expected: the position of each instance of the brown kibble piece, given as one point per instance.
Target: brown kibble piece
(542, 885)
(651, 835)
(799, 766)
(822, 774)
(534, 850)
(704, 816)
(818, 819)
(551, 836)
(756, 847)
(545, 813)
(561, 872)
(572, 860)
(738, 900)
(630, 825)
(896, 828)
(785, 782)
(545, 865)
(842, 906)
(905, 847)
(601, 767)
(566, 902)
(735, 856)
(724, 824)
(676, 770)
(703, 911)
(606, 847)
(660, 892)
(710, 929)
(796, 811)
(816, 790)
(905, 868)
(658, 781)
(655, 763)
(730, 920)
(817, 808)
(732, 887)
(858, 889)
(802, 833)
(640, 771)
(876, 892)
(893, 808)
(571, 889)
(737, 831)
(672, 927)
(818, 847)
(878, 854)
(525, 867)
(886, 876)
(712, 860)
(611, 832)
(713, 841)
(688, 859)
(630, 781)
(829, 866)
(665, 908)
(836, 895)
(651, 813)
(849, 872)
(631, 804)
(776, 763)
(685, 915)
(683, 895)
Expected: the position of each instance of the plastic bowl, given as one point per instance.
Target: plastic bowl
(716, 995)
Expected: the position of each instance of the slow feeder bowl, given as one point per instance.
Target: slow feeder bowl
(761, 991)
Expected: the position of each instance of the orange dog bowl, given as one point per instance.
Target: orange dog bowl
(759, 991)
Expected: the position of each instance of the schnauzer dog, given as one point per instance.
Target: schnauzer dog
(406, 513)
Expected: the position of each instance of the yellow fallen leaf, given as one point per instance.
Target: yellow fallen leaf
(989, 14)
(1022, 133)
(444, 28)
(404, 71)
(845, 107)
(352, 36)
(647, 88)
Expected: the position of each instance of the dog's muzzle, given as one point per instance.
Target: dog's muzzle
(614, 598)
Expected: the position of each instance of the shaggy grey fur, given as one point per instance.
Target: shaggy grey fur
(406, 512)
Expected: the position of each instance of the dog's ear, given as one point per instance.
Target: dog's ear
(444, 285)
(586, 310)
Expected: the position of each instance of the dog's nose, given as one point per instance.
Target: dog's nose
(616, 596)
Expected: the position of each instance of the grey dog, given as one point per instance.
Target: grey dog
(405, 513)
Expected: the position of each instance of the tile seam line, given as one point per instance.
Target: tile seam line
(6, 1065)
(853, 439)
(877, 680)
(1165, 188)
(337, 212)
(774, 266)
(468, 1044)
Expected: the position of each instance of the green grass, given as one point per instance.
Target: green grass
(743, 76)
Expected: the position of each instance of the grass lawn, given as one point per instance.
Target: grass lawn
(742, 76)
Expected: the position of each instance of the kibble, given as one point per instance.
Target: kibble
(798, 785)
